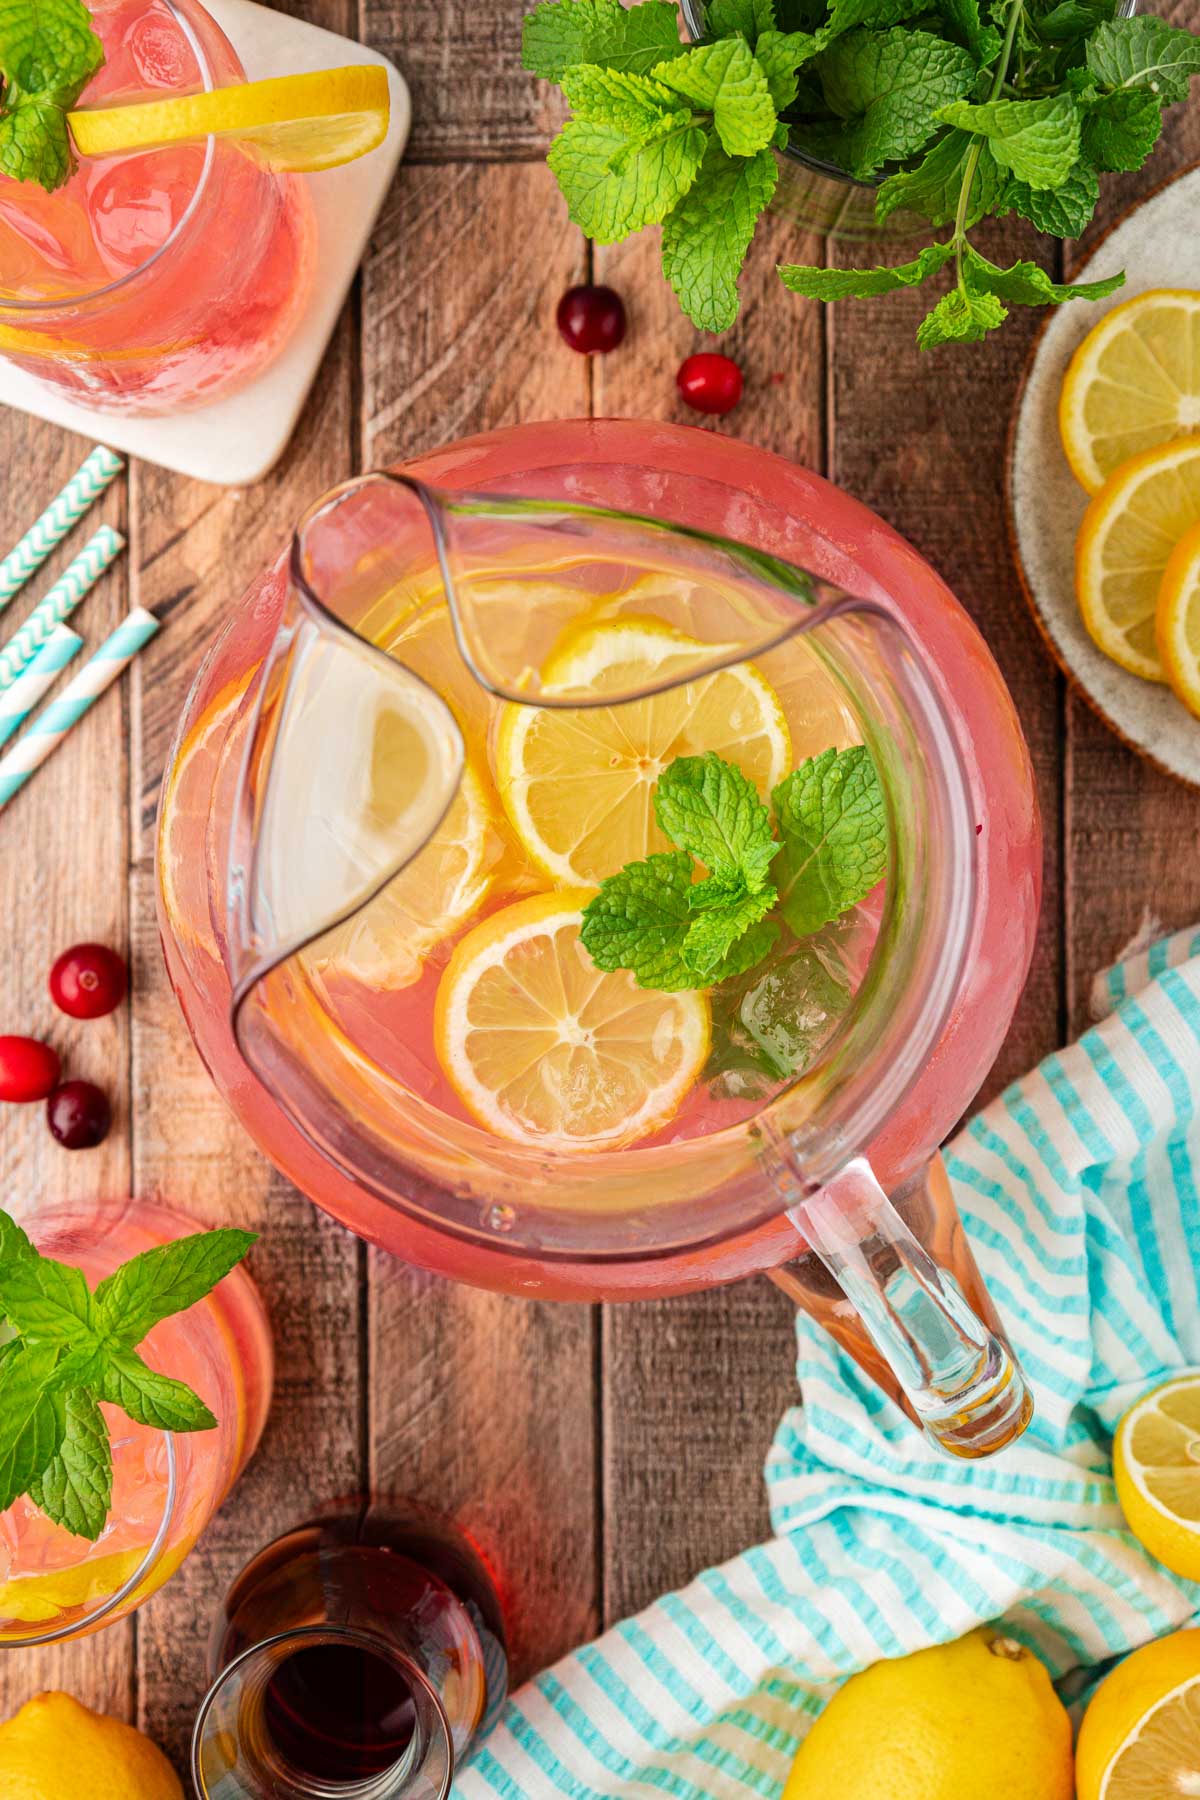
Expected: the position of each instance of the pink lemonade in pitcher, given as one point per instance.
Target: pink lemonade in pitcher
(166, 1487)
(156, 279)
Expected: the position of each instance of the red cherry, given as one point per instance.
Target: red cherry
(710, 383)
(29, 1069)
(591, 319)
(78, 1115)
(88, 980)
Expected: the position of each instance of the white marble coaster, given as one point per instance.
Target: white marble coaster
(236, 441)
(1157, 245)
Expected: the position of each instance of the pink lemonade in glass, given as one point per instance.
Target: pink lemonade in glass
(166, 1487)
(431, 1052)
(156, 280)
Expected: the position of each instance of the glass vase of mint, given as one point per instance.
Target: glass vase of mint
(932, 113)
(135, 1375)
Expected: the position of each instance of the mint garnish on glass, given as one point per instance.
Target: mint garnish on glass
(48, 54)
(958, 108)
(827, 850)
(71, 1347)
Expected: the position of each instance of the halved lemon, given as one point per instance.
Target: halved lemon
(544, 1048)
(298, 122)
(1125, 542)
(578, 783)
(1156, 1464)
(1133, 383)
(385, 945)
(1140, 1737)
(1177, 619)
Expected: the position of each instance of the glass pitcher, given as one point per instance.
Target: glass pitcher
(443, 719)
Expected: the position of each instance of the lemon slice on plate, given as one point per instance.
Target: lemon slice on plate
(578, 783)
(1156, 1465)
(543, 1048)
(1133, 383)
(1140, 1737)
(1125, 542)
(1177, 619)
(297, 122)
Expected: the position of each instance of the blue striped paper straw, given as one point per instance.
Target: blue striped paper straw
(42, 738)
(64, 512)
(60, 602)
(34, 682)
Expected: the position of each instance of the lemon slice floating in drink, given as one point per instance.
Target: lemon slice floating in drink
(545, 1049)
(578, 783)
(302, 123)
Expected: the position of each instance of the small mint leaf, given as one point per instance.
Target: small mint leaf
(48, 54)
(32, 1418)
(780, 54)
(713, 933)
(960, 317)
(1120, 130)
(1064, 211)
(167, 1280)
(861, 284)
(888, 86)
(934, 187)
(1036, 140)
(75, 1487)
(709, 808)
(833, 835)
(846, 15)
(725, 79)
(967, 27)
(1027, 284)
(705, 239)
(47, 1301)
(1145, 52)
(634, 105)
(639, 919)
(613, 187)
(150, 1398)
(748, 952)
(722, 18)
(561, 33)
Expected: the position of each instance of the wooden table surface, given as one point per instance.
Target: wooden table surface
(604, 1453)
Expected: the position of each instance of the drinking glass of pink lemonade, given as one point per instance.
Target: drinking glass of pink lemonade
(77, 1553)
(158, 278)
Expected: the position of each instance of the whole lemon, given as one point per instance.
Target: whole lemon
(1139, 1736)
(974, 1720)
(56, 1749)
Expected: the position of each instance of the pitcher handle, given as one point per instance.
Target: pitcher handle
(957, 1376)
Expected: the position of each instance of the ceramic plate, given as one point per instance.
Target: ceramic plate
(1158, 245)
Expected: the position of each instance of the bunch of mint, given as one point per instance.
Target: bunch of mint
(754, 925)
(48, 54)
(964, 107)
(67, 1348)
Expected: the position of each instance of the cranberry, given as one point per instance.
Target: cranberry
(710, 383)
(591, 319)
(78, 1115)
(88, 980)
(29, 1069)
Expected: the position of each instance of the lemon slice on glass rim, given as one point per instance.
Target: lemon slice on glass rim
(303, 123)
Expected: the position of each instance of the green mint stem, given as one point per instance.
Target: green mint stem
(976, 151)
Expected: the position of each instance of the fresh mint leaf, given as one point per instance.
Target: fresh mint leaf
(1036, 140)
(935, 186)
(167, 1280)
(967, 26)
(48, 54)
(748, 952)
(715, 931)
(47, 1300)
(1072, 19)
(780, 55)
(561, 33)
(32, 1418)
(960, 317)
(833, 837)
(725, 79)
(709, 808)
(705, 239)
(889, 87)
(847, 15)
(1145, 52)
(74, 1489)
(150, 1398)
(639, 919)
(861, 284)
(1121, 129)
(1027, 284)
(1064, 211)
(634, 105)
(724, 18)
(613, 186)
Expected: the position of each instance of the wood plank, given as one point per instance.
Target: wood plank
(481, 1404)
(63, 855)
(1132, 834)
(471, 98)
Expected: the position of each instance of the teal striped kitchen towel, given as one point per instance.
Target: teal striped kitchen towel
(1078, 1187)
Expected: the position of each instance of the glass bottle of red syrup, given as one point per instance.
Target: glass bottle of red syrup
(362, 1652)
